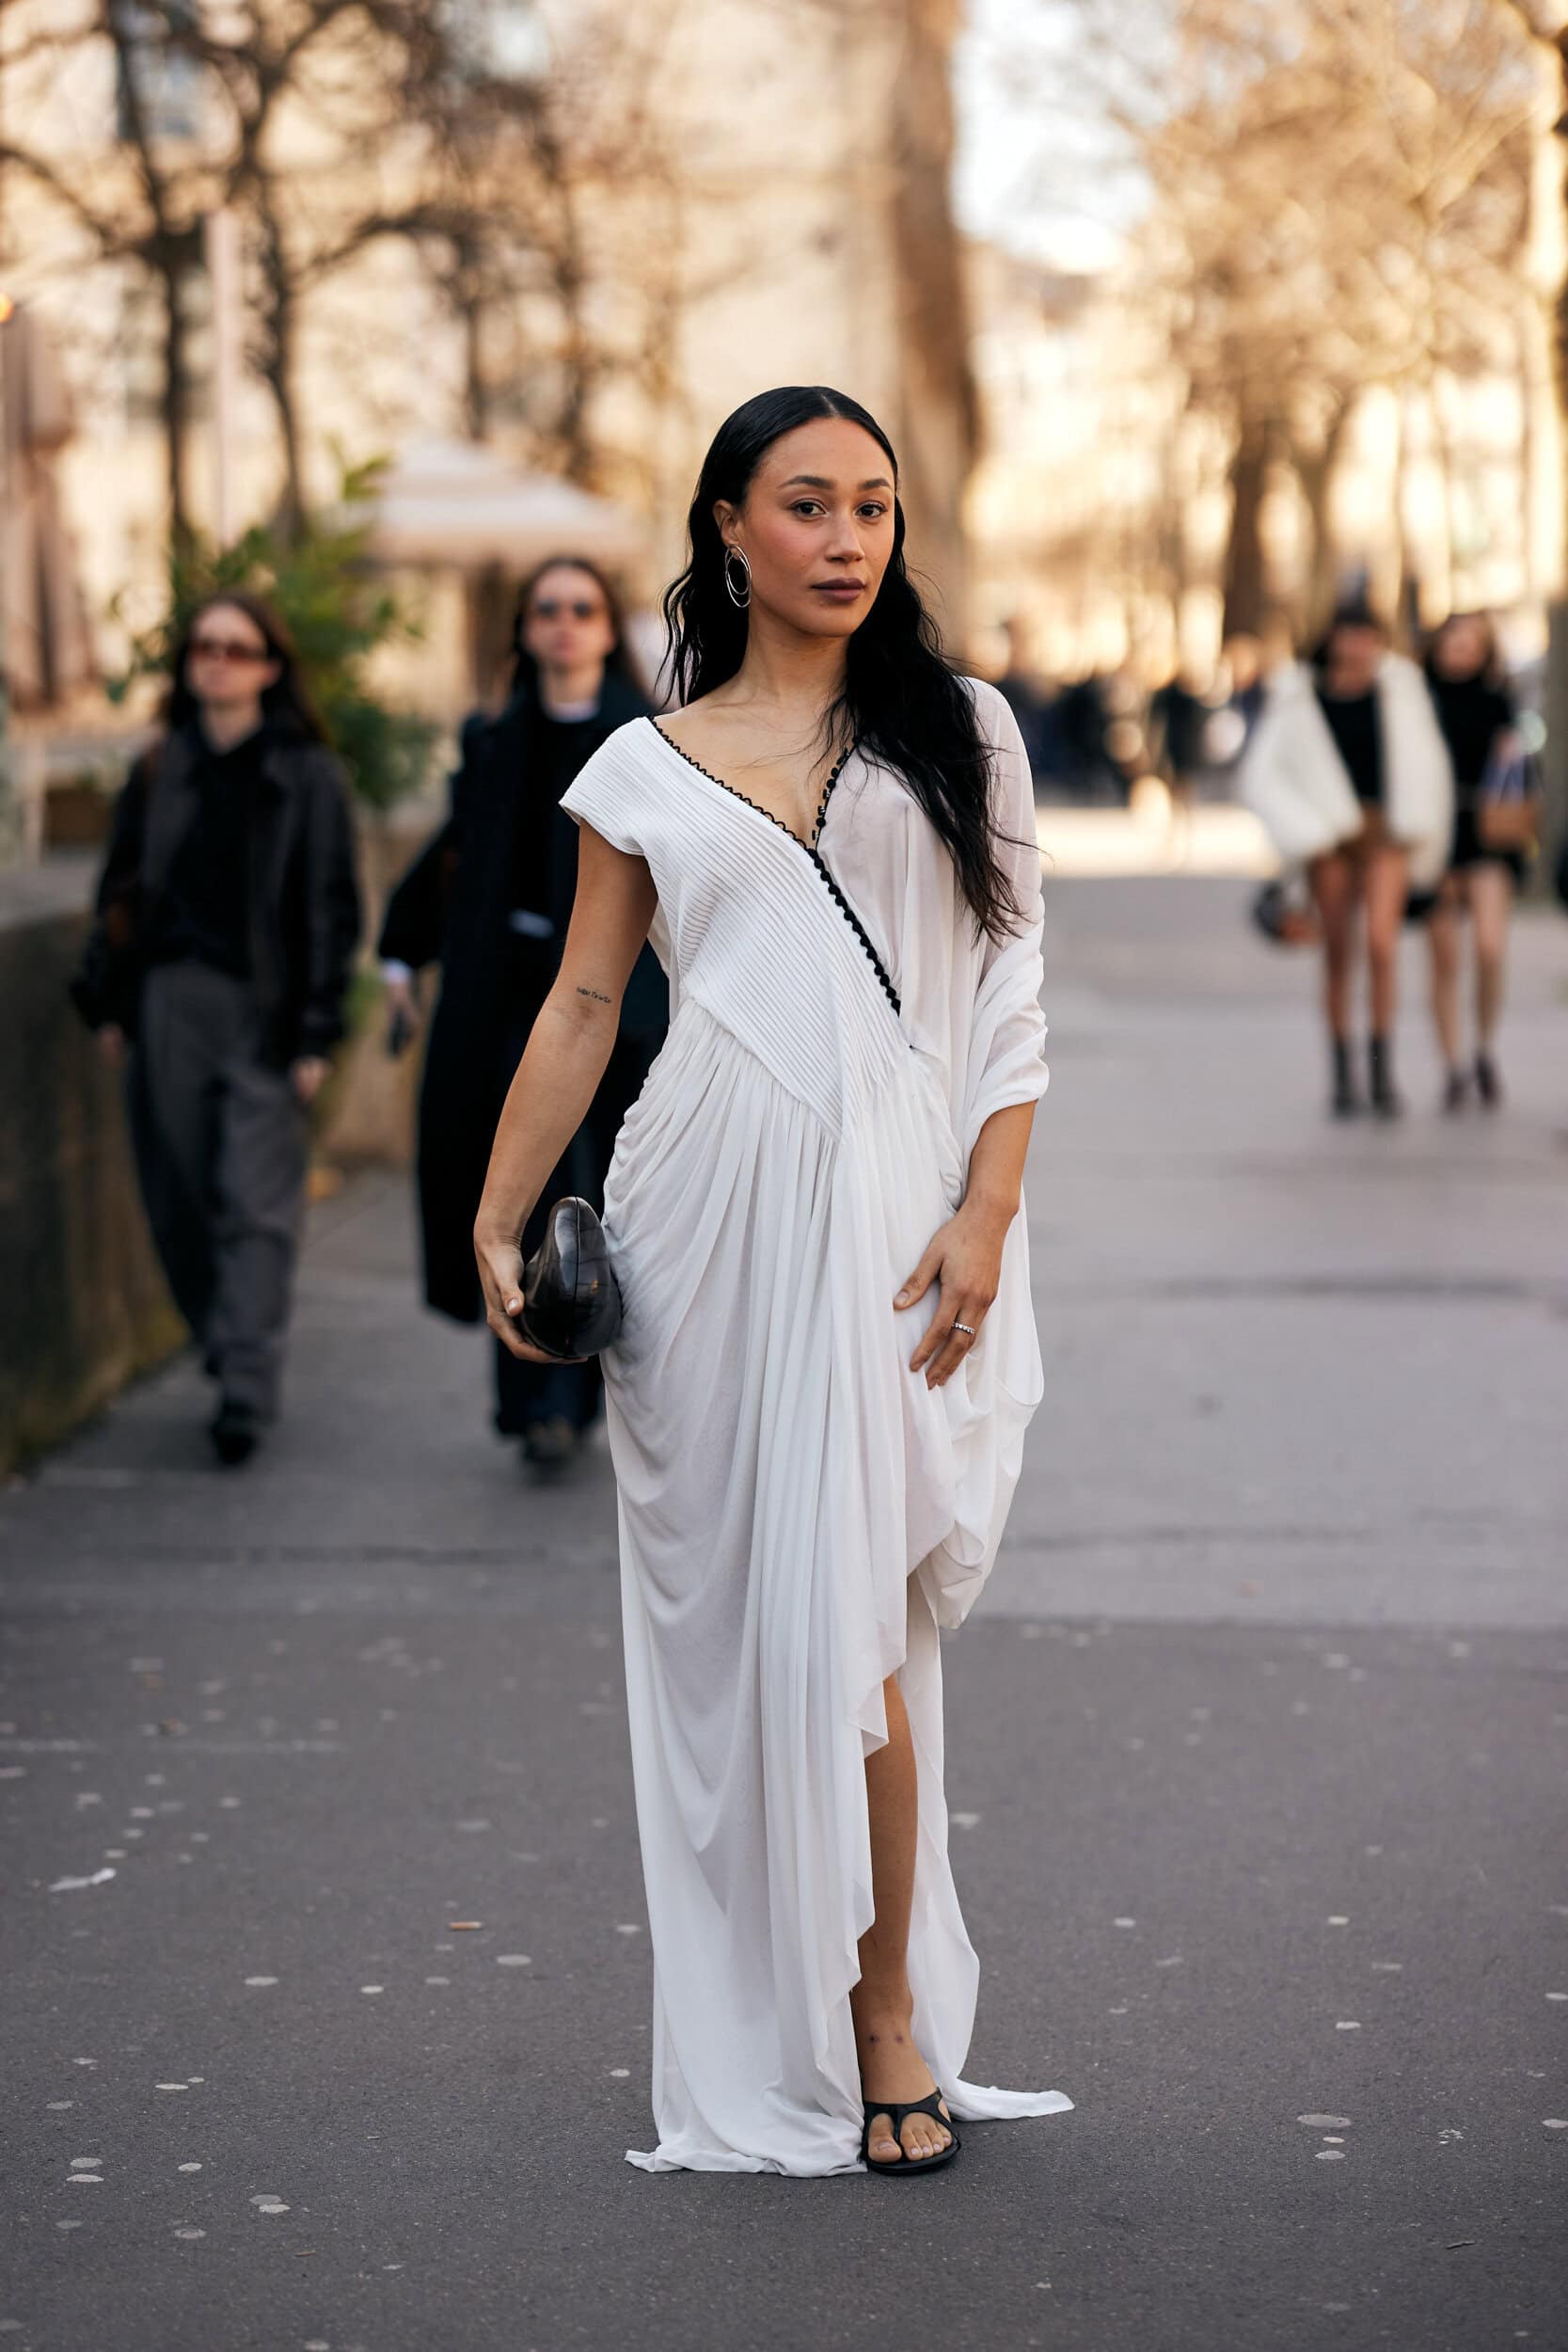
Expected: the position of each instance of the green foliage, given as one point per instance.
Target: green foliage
(339, 615)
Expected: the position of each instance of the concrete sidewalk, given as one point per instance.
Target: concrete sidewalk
(1257, 1753)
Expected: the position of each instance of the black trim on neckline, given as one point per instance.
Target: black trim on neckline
(809, 846)
(735, 794)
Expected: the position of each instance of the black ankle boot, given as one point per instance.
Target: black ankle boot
(1488, 1084)
(1386, 1100)
(1345, 1101)
(235, 1432)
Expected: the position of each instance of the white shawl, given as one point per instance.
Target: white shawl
(1296, 781)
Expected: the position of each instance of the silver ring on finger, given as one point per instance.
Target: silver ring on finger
(967, 1329)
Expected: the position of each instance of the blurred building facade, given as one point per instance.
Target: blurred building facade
(685, 205)
(1324, 351)
(760, 197)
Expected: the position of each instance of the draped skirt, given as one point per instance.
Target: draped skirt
(798, 1515)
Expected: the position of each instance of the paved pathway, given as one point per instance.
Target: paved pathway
(1256, 1765)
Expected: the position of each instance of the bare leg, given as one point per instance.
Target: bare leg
(1443, 935)
(1333, 881)
(1491, 896)
(1387, 886)
(881, 2003)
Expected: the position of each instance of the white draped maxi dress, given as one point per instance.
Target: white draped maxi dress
(799, 1513)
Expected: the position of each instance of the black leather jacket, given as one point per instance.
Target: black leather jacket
(305, 913)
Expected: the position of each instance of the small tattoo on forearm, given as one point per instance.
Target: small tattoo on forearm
(595, 993)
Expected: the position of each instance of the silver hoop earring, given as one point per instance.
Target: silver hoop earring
(737, 596)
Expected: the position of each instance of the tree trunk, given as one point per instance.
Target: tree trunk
(168, 250)
(476, 398)
(1443, 594)
(1547, 375)
(1316, 475)
(938, 423)
(176, 397)
(1248, 600)
(278, 359)
(1390, 584)
(579, 368)
(1545, 351)
(290, 502)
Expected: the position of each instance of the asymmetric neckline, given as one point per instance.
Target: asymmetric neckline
(809, 847)
(735, 794)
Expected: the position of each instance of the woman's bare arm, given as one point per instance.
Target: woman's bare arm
(965, 1256)
(568, 1049)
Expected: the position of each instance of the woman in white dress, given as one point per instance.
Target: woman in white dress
(817, 1399)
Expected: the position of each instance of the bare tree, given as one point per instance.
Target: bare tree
(1545, 336)
(198, 101)
(1352, 213)
(1335, 199)
(141, 205)
(542, 188)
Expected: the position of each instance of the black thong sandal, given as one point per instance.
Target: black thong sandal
(896, 2112)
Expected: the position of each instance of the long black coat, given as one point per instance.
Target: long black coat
(304, 901)
(452, 907)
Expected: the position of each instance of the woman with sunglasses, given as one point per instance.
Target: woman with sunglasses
(228, 917)
(488, 900)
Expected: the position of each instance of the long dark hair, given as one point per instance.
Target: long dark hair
(286, 704)
(1351, 613)
(901, 704)
(618, 661)
(1494, 669)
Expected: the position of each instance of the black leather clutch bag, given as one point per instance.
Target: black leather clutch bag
(571, 1305)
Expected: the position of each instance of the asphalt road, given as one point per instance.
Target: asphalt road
(1257, 1759)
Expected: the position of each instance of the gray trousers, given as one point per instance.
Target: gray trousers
(222, 1146)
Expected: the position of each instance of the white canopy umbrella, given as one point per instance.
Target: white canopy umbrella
(455, 503)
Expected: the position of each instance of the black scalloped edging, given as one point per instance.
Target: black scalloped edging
(855, 924)
(838, 767)
(810, 847)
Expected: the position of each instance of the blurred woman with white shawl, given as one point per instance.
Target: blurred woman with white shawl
(1350, 774)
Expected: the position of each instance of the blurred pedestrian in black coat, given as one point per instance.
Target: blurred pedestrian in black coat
(1178, 717)
(226, 919)
(489, 899)
(1022, 697)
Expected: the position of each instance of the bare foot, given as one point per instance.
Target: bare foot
(892, 2068)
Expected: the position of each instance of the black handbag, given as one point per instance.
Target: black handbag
(571, 1304)
(1284, 915)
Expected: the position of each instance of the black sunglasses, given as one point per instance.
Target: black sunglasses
(229, 650)
(551, 608)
